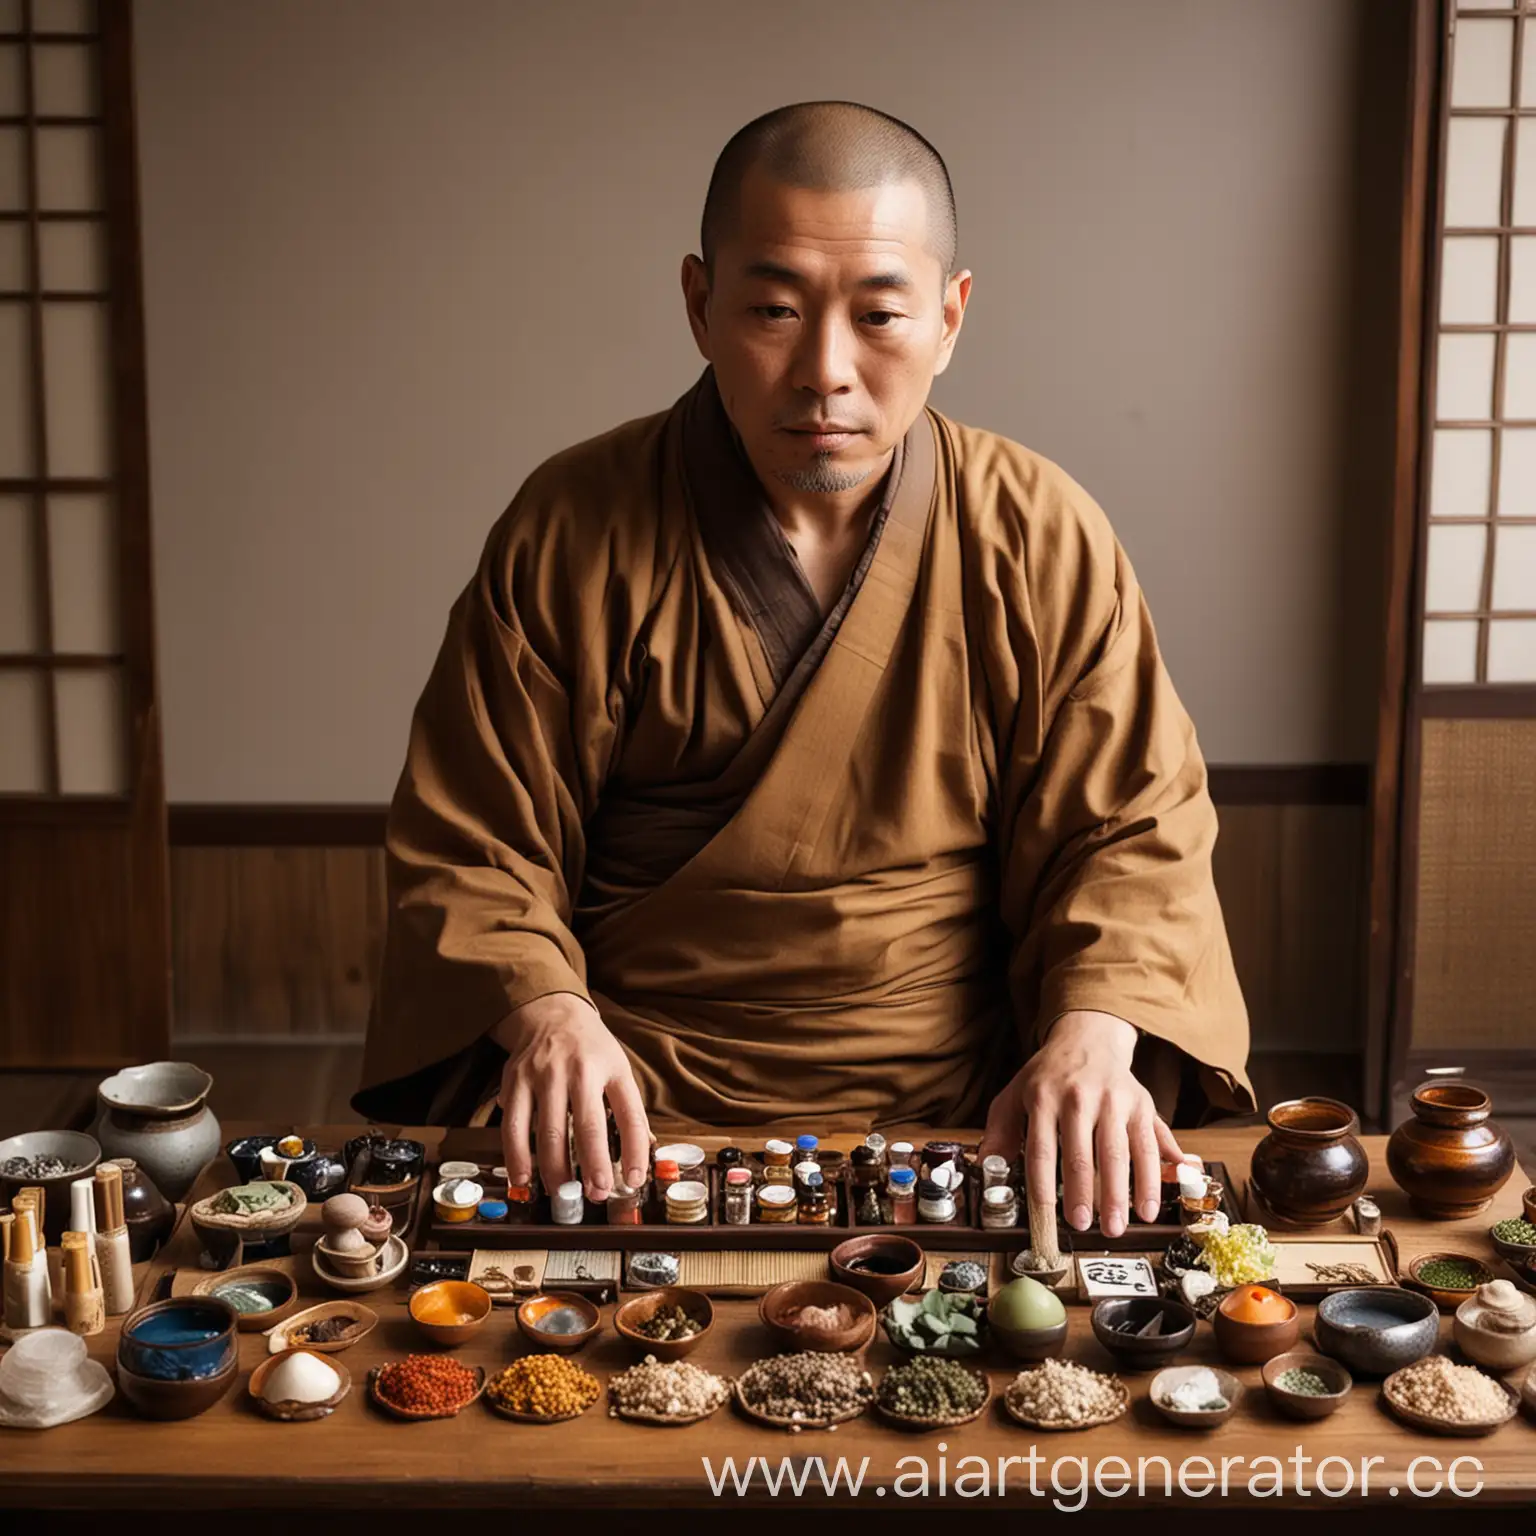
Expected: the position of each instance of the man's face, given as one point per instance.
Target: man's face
(827, 321)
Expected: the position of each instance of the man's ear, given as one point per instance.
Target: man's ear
(695, 278)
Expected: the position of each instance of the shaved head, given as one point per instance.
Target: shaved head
(830, 146)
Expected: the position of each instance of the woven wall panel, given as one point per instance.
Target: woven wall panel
(1475, 948)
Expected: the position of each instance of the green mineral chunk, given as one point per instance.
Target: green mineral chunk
(249, 1199)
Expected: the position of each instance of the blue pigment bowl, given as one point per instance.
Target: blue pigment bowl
(184, 1339)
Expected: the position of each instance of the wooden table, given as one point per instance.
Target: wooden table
(231, 1458)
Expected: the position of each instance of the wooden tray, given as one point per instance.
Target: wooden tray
(715, 1233)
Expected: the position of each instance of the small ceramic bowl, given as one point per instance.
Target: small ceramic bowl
(537, 1307)
(1030, 1344)
(154, 1398)
(185, 1338)
(77, 1151)
(1448, 1298)
(1516, 1253)
(226, 1235)
(1245, 1343)
(1306, 1405)
(779, 1308)
(901, 1264)
(244, 1154)
(449, 1311)
(1375, 1330)
(260, 1293)
(392, 1259)
(1116, 1325)
(1195, 1418)
(1493, 1350)
(640, 1309)
(292, 1412)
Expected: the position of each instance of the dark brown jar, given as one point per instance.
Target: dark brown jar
(1310, 1167)
(1450, 1159)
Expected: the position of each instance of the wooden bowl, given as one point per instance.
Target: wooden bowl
(640, 1309)
(535, 1307)
(1243, 1343)
(1030, 1344)
(296, 1412)
(1390, 1390)
(365, 1319)
(1131, 1351)
(277, 1283)
(414, 1414)
(739, 1388)
(394, 1256)
(1020, 1417)
(940, 1421)
(1195, 1418)
(168, 1400)
(880, 1247)
(1446, 1298)
(1304, 1405)
(778, 1307)
(518, 1417)
(449, 1311)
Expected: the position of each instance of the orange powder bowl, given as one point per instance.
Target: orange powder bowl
(449, 1311)
(1254, 1324)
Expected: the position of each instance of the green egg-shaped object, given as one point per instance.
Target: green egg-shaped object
(1024, 1303)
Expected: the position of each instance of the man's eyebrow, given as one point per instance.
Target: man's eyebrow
(774, 273)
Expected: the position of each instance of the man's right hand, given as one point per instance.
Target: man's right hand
(561, 1058)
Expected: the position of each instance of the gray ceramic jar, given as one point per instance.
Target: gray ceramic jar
(158, 1115)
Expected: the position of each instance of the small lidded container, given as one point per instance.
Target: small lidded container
(812, 1206)
(901, 1196)
(994, 1170)
(521, 1203)
(565, 1206)
(687, 1202)
(624, 1203)
(689, 1160)
(777, 1157)
(876, 1144)
(999, 1206)
(493, 1210)
(730, 1157)
(775, 1202)
(900, 1154)
(935, 1202)
(737, 1197)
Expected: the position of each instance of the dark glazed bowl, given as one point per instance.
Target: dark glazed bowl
(1376, 1330)
(156, 1399)
(149, 1348)
(1132, 1352)
(1310, 1166)
(1030, 1344)
(884, 1247)
(73, 1147)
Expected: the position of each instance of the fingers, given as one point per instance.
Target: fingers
(1145, 1165)
(1077, 1127)
(634, 1129)
(1168, 1148)
(554, 1157)
(516, 1122)
(1114, 1170)
(590, 1116)
(1004, 1134)
(1040, 1158)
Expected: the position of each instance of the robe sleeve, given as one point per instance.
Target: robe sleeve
(1107, 882)
(485, 847)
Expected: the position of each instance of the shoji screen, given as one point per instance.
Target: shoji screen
(1469, 874)
(83, 950)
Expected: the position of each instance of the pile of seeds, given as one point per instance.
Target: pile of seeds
(547, 1386)
(427, 1384)
(1302, 1382)
(1059, 1392)
(931, 1387)
(1453, 1275)
(673, 1391)
(1514, 1230)
(1459, 1394)
(44, 1166)
(806, 1387)
(668, 1323)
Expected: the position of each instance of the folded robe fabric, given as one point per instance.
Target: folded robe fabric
(803, 865)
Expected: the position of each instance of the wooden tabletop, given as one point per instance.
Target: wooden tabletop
(233, 1458)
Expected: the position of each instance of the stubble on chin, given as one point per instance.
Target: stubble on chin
(822, 477)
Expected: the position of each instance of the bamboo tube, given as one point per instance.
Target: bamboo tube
(84, 1305)
(26, 1298)
(113, 1257)
(7, 1221)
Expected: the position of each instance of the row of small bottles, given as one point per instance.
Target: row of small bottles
(88, 1278)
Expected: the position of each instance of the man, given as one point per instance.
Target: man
(798, 753)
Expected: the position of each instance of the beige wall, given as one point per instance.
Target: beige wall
(397, 253)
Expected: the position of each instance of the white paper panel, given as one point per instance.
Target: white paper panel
(13, 84)
(1464, 384)
(15, 260)
(64, 78)
(1450, 651)
(1454, 581)
(82, 537)
(18, 617)
(1517, 473)
(1469, 280)
(68, 169)
(1522, 276)
(15, 392)
(76, 378)
(1482, 59)
(74, 256)
(1514, 570)
(23, 753)
(92, 759)
(1528, 69)
(1520, 376)
(13, 168)
(1461, 471)
(1474, 172)
(63, 15)
(1512, 651)
(1525, 174)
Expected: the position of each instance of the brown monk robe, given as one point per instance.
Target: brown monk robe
(803, 866)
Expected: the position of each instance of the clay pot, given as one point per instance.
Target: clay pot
(1310, 1167)
(150, 1216)
(1450, 1159)
(158, 1116)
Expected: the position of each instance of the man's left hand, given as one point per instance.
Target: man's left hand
(1077, 1091)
